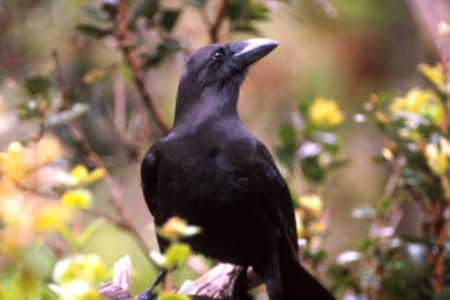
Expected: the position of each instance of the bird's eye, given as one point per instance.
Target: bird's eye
(218, 55)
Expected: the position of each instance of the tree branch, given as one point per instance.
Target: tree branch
(124, 39)
(214, 29)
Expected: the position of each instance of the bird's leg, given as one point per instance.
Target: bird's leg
(272, 278)
(240, 285)
(149, 293)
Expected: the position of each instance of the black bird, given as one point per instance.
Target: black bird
(211, 171)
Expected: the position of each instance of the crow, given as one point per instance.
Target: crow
(211, 171)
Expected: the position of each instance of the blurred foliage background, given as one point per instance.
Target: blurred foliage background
(362, 138)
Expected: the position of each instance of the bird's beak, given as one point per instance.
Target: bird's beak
(249, 51)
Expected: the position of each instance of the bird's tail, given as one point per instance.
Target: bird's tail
(298, 283)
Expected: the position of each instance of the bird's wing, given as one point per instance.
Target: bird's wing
(149, 172)
(275, 196)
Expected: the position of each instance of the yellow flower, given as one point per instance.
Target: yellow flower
(312, 203)
(12, 162)
(318, 227)
(387, 154)
(19, 161)
(420, 102)
(79, 198)
(51, 217)
(175, 228)
(16, 222)
(325, 113)
(78, 276)
(89, 267)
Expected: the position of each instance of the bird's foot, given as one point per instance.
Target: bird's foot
(150, 294)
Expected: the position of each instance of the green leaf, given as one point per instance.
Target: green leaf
(93, 13)
(285, 156)
(110, 8)
(146, 9)
(93, 31)
(172, 296)
(311, 169)
(378, 159)
(37, 85)
(248, 28)
(258, 11)
(383, 206)
(39, 258)
(164, 49)
(339, 163)
(316, 257)
(342, 278)
(70, 238)
(367, 244)
(288, 137)
(71, 95)
(10, 277)
(176, 254)
(444, 294)
(89, 232)
(169, 19)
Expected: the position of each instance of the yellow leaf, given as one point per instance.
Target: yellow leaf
(434, 74)
(437, 161)
(94, 176)
(93, 76)
(317, 227)
(299, 222)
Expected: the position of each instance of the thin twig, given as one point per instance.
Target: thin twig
(215, 27)
(115, 191)
(59, 76)
(116, 222)
(120, 102)
(124, 39)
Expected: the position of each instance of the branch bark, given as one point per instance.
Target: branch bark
(219, 283)
(215, 27)
(124, 39)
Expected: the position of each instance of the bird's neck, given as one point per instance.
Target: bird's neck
(211, 104)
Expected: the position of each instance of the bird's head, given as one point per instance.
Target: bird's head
(214, 73)
(218, 64)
